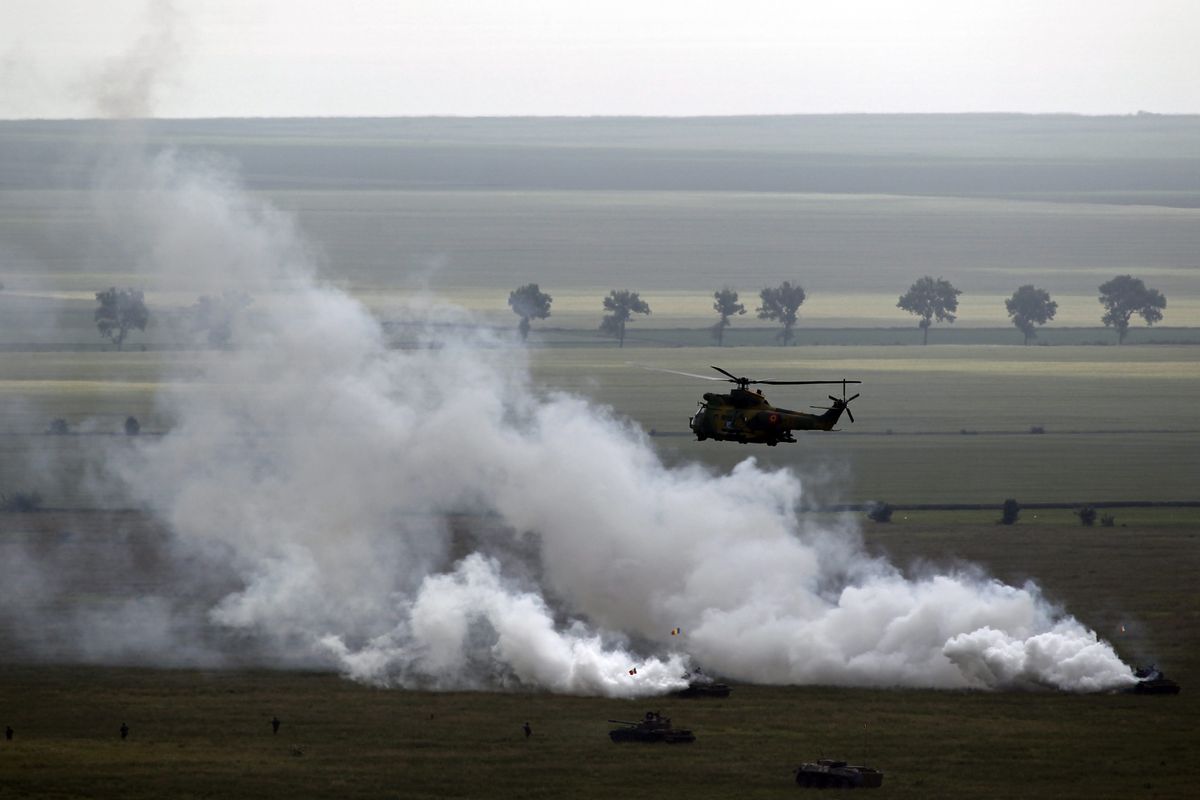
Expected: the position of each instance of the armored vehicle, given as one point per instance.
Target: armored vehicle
(1152, 681)
(652, 728)
(703, 688)
(830, 774)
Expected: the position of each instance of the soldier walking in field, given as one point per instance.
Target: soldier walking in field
(8, 732)
(528, 730)
(124, 731)
(275, 724)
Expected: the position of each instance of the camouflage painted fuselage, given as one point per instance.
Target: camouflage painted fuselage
(745, 416)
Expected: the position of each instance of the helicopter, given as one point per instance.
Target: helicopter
(745, 416)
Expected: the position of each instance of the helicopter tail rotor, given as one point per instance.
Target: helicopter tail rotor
(843, 403)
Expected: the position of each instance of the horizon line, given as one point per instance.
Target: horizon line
(1139, 114)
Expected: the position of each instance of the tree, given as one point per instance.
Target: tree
(215, 316)
(1030, 307)
(21, 502)
(780, 304)
(930, 300)
(1124, 296)
(621, 305)
(529, 302)
(726, 304)
(879, 512)
(120, 311)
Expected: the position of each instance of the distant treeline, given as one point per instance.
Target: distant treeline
(761, 336)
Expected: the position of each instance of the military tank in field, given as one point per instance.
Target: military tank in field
(827, 773)
(651, 728)
(702, 687)
(1152, 681)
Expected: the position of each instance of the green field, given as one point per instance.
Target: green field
(206, 734)
(854, 254)
(944, 424)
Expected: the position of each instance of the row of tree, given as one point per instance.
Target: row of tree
(930, 299)
(212, 316)
(1031, 307)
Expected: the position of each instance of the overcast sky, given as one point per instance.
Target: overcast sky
(674, 57)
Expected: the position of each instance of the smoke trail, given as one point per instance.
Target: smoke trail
(125, 87)
(321, 469)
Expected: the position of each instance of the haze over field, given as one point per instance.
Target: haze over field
(314, 489)
(853, 206)
(493, 204)
(316, 484)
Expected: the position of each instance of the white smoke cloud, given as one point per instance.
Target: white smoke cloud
(425, 516)
(467, 629)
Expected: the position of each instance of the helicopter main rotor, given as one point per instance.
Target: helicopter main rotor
(744, 383)
(842, 403)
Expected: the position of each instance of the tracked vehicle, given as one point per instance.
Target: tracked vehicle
(1152, 681)
(829, 774)
(703, 688)
(652, 728)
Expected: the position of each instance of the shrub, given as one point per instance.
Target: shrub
(132, 426)
(1037, 429)
(58, 427)
(1087, 516)
(1108, 520)
(1009, 511)
(879, 512)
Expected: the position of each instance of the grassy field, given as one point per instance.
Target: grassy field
(941, 424)
(854, 254)
(1097, 406)
(207, 734)
(1129, 158)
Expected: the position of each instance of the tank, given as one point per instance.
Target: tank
(1152, 681)
(829, 774)
(651, 728)
(703, 688)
